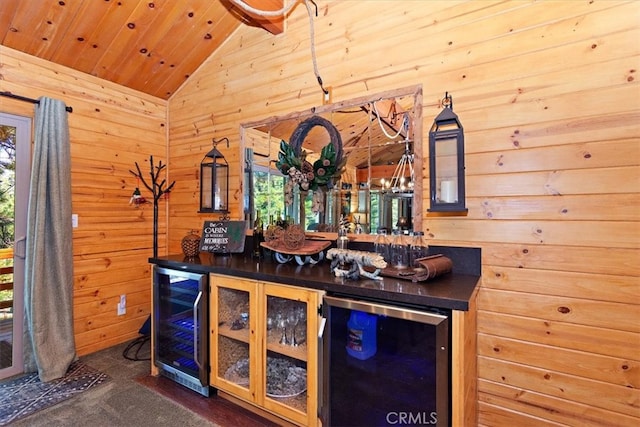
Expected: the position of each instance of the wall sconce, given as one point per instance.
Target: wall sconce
(214, 181)
(446, 161)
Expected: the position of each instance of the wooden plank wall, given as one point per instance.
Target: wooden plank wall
(548, 95)
(111, 127)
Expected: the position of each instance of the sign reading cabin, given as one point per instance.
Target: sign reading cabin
(223, 236)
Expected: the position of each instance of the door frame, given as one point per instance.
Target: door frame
(24, 131)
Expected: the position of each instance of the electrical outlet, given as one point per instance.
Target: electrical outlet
(74, 220)
(122, 305)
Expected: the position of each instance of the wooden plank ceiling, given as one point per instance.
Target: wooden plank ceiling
(155, 45)
(149, 45)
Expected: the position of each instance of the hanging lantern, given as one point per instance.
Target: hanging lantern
(214, 181)
(446, 161)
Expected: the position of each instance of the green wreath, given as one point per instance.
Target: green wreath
(325, 171)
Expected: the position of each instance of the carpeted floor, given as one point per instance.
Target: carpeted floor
(122, 401)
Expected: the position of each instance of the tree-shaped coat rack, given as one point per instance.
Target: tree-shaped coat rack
(158, 189)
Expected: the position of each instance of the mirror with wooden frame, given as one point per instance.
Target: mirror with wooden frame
(380, 135)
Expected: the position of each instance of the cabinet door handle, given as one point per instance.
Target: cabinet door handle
(196, 341)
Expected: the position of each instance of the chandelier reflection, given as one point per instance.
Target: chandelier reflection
(403, 177)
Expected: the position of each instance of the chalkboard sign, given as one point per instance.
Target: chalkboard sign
(223, 236)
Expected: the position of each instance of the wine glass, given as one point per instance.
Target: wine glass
(302, 319)
(292, 321)
(281, 322)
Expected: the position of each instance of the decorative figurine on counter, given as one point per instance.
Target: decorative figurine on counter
(358, 260)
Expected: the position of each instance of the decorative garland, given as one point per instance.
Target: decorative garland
(323, 173)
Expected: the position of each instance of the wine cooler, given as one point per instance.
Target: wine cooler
(384, 365)
(181, 343)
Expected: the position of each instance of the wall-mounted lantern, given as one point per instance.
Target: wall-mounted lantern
(446, 161)
(214, 181)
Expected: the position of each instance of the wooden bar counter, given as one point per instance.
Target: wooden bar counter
(455, 291)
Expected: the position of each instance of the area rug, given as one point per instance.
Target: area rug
(22, 396)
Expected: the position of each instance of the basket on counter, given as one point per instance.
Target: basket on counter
(191, 244)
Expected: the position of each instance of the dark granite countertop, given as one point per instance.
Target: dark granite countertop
(451, 291)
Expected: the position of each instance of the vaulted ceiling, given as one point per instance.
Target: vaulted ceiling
(149, 45)
(155, 45)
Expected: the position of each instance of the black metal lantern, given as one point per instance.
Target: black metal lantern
(214, 181)
(446, 161)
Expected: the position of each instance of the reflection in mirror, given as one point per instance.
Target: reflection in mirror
(382, 141)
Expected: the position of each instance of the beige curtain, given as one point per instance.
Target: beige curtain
(49, 340)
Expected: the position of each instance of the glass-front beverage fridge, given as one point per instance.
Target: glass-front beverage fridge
(181, 343)
(384, 365)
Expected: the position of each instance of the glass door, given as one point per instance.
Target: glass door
(290, 352)
(15, 159)
(233, 344)
(181, 327)
(384, 365)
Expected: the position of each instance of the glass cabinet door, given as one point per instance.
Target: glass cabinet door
(233, 339)
(290, 353)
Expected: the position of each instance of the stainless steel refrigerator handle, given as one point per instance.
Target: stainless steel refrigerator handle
(196, 342)
(321, 356)
(386, 310)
